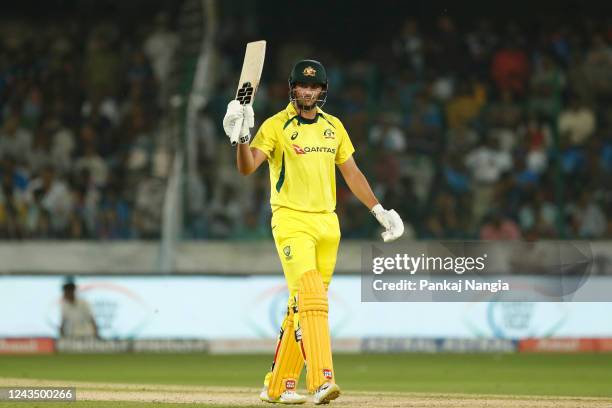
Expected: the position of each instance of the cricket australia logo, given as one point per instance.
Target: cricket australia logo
(287, 252)
(329, 134)
(309, 71)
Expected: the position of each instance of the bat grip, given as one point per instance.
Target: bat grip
(236, 131)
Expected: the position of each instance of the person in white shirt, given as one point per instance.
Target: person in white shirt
(487, 163)
(160, 47)
(77, 319)
(55, 198)
(577, 123)
(15, 141)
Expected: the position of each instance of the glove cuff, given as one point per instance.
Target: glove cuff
(377, 209)
(244, 139)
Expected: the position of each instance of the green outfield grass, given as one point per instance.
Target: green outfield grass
(511, 374)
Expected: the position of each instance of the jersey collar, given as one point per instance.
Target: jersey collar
(292, 114)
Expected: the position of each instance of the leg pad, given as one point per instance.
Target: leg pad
(288, 360)
(314, 330)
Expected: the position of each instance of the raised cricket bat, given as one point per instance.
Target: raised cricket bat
(249, 79)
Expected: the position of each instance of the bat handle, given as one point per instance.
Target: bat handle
(236, 131)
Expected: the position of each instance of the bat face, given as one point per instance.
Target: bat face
(249, 79)
(251, 72)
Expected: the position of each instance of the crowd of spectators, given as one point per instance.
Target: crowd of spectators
(79, 119)
(485, 130)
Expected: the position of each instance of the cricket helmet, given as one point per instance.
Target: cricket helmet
(308, 72)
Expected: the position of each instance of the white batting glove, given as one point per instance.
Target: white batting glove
(391, 222)
(234, 113)
(239, 114)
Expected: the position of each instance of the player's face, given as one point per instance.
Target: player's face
(307, 94)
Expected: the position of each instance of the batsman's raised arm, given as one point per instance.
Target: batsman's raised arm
(248, 159)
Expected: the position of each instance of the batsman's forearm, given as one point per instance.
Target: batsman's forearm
(244, 159)
(361, 189)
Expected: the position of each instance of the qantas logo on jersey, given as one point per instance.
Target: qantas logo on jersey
(298, 149)
(313, 149)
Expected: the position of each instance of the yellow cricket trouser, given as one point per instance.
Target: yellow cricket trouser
(307, 245)
(304, 242)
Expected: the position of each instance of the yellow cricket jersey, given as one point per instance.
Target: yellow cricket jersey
(302, 155)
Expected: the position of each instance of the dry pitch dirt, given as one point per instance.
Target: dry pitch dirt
(237, 396)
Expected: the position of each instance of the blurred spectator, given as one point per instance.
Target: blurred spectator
(456, 175)
(547, 85)
(424, 125)
(55, 199)
(101, 67)
(597, 67)
(160, 47)
(77, 319)
(500, 228)
(446, 49)
(588, 219)
(577, 122)
(481, 42)
(510, 67)
(537, 140)
(148, 207)
(505, 113)
(40, 155)
(113, 217)
(225, 213)
(63, 144)
(13, 209)
(486, 164)
(387, 134)
(443, 221)
(538, 215)
(465, 106)
(15, 141)
(410, 47)
(93, 164)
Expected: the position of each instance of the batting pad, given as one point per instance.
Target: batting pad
(288, 361)
(314, 327)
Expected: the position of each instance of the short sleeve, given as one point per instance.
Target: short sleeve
(345, 146)
(265, 138)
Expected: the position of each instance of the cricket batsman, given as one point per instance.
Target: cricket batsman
(303, 145)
